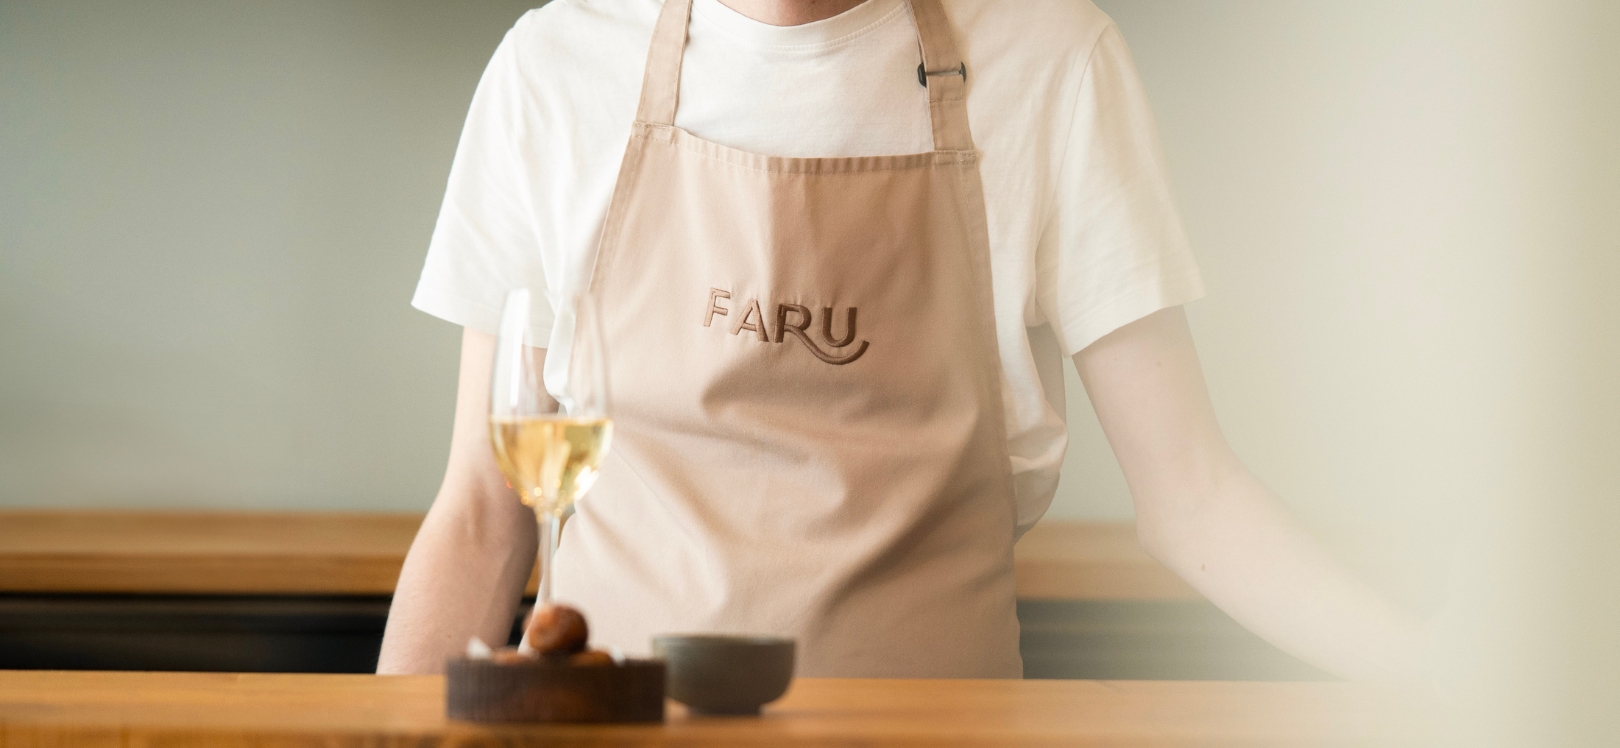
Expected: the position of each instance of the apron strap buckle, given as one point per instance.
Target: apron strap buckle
(923, 75)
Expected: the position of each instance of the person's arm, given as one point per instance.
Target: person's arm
(1201, 513)
(465, 572)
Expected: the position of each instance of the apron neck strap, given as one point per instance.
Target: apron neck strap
(947, 90)
(661, 83)
(945, 75)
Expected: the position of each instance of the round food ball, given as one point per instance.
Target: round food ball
(557, 630)
(591, 657)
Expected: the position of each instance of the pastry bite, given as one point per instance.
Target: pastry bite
(555, 633)
(556, 630)
(591, 658)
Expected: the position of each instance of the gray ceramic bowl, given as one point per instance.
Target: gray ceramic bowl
(725, 674)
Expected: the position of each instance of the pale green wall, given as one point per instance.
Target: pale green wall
(214, 214)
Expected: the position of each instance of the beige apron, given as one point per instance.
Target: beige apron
(807, 397)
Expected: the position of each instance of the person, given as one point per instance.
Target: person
(840, 250)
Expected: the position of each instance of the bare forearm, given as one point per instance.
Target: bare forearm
(1201, 512)
(463, 577)
(465, 571)
(1241, 548)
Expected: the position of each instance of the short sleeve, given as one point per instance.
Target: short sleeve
(485, 241)
(1113, 249)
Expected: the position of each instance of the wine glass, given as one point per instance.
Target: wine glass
(549, 449)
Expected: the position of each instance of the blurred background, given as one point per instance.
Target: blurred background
(212, 216)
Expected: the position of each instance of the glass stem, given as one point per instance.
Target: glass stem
(550, 527)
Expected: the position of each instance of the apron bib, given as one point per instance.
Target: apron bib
(808, 435)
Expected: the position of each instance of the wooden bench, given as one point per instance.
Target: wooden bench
(260, 591)
(305, 553)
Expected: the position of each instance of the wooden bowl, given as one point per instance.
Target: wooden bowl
(554, 691)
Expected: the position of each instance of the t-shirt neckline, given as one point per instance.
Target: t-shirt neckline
(844, 27)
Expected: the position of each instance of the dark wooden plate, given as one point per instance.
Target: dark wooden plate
(553, 691)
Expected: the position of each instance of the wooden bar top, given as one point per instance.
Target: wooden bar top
(317, 553)
(197, 709)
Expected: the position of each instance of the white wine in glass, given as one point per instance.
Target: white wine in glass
(550, 459)
(549, 449)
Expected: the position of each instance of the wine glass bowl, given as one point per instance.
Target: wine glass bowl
(549, 443)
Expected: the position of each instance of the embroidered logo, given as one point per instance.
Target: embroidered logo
(791, 319)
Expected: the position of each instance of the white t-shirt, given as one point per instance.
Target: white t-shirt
(1084, 234)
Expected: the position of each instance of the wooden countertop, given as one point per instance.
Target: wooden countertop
(251, 553)
(134, 709)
